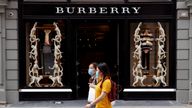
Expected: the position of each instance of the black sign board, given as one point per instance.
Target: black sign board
(99, 10)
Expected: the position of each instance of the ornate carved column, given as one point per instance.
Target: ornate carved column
(189, 4)
(3, 3)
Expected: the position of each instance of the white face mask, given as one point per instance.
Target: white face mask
(97, 74)
(91, 71)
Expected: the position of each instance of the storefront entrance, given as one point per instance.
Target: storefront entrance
(96, 42)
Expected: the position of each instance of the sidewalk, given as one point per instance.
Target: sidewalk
(81, 103)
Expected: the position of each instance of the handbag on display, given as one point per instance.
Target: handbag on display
(46, 49)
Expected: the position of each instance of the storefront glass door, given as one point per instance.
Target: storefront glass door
(96, 42)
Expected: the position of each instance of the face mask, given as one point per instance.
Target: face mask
(91, 72)
(97, 74)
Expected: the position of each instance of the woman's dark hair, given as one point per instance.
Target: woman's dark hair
(103, 67)
(94, 64)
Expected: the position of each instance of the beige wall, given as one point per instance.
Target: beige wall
(2, 52)
(11, 51)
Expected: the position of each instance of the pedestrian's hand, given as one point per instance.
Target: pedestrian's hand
(88, 106)
(91, 85)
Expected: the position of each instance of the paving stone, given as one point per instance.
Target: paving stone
(81, 104)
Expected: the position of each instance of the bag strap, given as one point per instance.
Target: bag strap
(104, 80)
(94, 81)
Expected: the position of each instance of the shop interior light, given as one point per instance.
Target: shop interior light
(45, 90)
(150, 90)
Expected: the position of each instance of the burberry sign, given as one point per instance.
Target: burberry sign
(97, 10)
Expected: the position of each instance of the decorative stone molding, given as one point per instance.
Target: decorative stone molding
(188, 2)
(183, 14)
(3, 3)
(181, 5)
(182, 10)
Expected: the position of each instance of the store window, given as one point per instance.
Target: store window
(44, 54)
(149, 54)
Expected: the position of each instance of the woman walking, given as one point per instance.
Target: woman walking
(102, 89)
(92, 81)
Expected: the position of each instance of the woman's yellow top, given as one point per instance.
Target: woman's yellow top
(106, 87)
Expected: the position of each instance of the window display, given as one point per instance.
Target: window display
(149, 57)
(44, 56)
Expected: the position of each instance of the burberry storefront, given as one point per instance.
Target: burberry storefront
(58, 40)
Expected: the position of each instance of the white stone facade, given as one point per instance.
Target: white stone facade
(9, 51)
